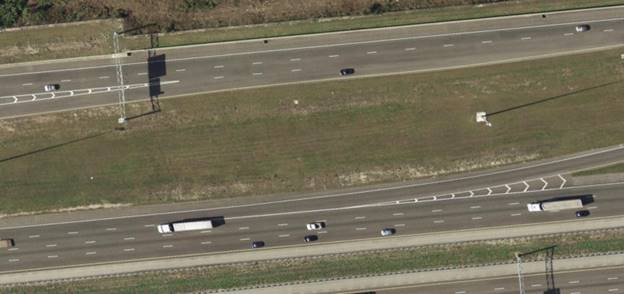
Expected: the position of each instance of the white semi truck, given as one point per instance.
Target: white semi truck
(555, 205)
(185, 226)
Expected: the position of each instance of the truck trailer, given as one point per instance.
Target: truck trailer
(185, 226)
(555, 205)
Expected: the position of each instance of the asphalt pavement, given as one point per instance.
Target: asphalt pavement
(254, 63)
(410, 209)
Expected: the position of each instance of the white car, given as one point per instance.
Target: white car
(582, 28)
(50, 87)
(315, 226)
(388, 232)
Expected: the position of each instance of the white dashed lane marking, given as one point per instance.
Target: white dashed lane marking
(568, 34)
(477, 218)
(142, 74)
(111, 229)
(475, 207)
(150, 225)
(167, 235)
(206, 242)
(103, 77)
(295, 59)
(257, 73)
(525, 38)
(359, 217)
(516, 214)
(52, 256)
(50, 245)
(257, 62)
(399, 225)
(284, 235)
(360, 229)
(14, 260)
(448, 45)
(536, 285)
(181, 69)
(333, 56)
(65, 81)
(499, 289)
(13, 249)
(72, 233)
(438, 221)
(128, 249)
(410, 49)
(90, 242)
(295, 70)
(612, 278)
(205, 231)
(27, 84)
(167, 246)
(243, 228)
(574, 282)
(219, 66)
(33, 236)
(282, 225)
(371, 52)
(128, 238)
(218, 77)
(486, 42)
(244, 239)
(90, 253)
(514, 203)
(436, 210)
(397, 214)
(608, 30)
(613, 290)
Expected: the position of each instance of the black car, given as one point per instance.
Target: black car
(582, 213)
(347, 71)
(257, 244)
(310, 238)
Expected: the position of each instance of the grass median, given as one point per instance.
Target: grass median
(339, 134)
(270, 272)
(611, 169)
(94, 37)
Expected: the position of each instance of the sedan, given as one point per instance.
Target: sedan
(388, 232)
(347, 71)
(257, 244)
(51, 87)
(310, 238)
(582, 213)
(582, 28)
(315, 226)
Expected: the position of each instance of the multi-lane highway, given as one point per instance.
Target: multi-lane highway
(485, 199)
(585, 281)
(307, 58)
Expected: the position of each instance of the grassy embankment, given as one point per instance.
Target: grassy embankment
(340, 134)
(231, 276)
(95, 38)
(616, 168)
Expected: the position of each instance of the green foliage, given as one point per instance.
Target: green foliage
(11, 12)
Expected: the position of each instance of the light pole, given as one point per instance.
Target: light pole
(120, 80)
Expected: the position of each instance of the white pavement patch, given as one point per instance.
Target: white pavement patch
(29, 98)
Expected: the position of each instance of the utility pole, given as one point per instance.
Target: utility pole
(550, 272)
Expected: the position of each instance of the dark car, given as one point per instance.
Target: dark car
(347, 71)
(582, 213)
(257, 244)
(310, 238)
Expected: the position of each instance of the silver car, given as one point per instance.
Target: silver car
(582, 28)
(51, 87)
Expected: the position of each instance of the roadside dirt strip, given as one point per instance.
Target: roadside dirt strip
(92, 270)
